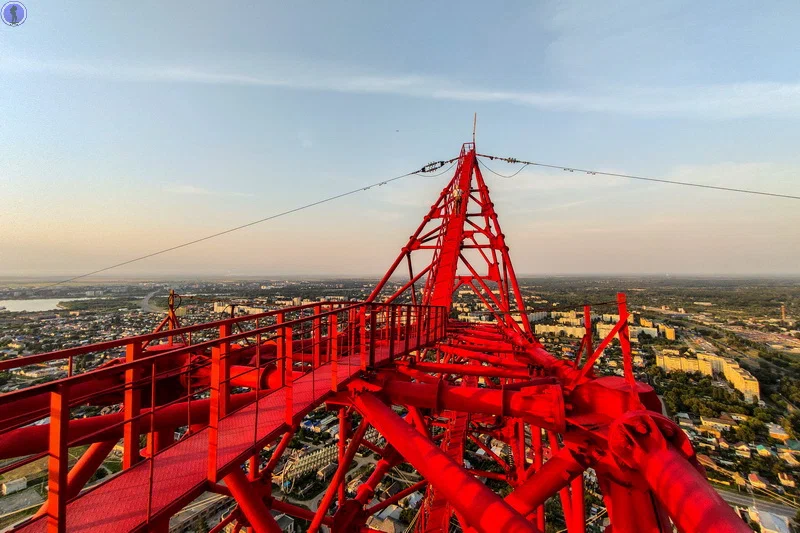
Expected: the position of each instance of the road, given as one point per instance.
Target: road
(147, 307)
(745, 500)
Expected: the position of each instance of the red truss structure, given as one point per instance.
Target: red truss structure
(215, 407)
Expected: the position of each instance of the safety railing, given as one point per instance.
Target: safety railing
(223, 397)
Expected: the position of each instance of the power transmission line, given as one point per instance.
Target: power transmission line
(426, 169)
(627, 176)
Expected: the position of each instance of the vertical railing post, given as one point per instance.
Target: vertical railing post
(316, 338)
(538, 461)
(131, 406)
(152, 443)
(419, 328)
(578, 505)
(254, 466)
(587, 323)
(344, 428)
(392, 330)
(625, 345)
(373, 337)
(386, 322)
(362, 329)
(224, 369)
(351, 337)
(58, 464)
(407, 329)
(288, 346)
(333, 334)
(426, 327)
(279, 318)
(218, 400)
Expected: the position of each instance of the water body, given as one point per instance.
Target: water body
(44, 304)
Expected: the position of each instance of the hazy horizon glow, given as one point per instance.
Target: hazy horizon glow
(125, 134)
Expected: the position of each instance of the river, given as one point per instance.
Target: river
(44, 304)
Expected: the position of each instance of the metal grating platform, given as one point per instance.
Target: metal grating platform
(180, 471)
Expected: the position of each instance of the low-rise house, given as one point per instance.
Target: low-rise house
(707, 443)
(723, 423)
(763, 451)
(327, 470)
(387, 520)
(684, 420)
(742, 450)
(769, 522)
(736, 416)
(706, 461)
(710, 430)
(757, 481)
(786, 480)
(14, 485)
(790, 459)
(412, 500)
(777, 432)
(790, 446)
(285, 522)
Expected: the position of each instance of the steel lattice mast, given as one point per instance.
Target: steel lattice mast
(246, 386)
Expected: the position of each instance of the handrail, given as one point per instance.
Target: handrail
(120, 368)
(147, 337)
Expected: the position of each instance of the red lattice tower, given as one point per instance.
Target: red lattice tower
(216, 407)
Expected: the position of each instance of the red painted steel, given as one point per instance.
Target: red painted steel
(254, 378)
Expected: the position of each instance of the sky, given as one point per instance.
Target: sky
(127, 127)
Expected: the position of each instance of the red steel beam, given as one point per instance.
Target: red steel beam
(489, 452)
(250, 503)
(82, 471)
(440, 284)
(355, 442)
(481, 507)
(471, 370)
(481, 356)
(57, 464)
(377, 508)
(688, 498)
(542, 404)
(34, 439)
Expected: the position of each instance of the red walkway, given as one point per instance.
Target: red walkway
(179, 472)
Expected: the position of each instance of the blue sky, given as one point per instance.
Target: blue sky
(130, 127)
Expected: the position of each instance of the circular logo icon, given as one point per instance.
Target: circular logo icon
(14, 13)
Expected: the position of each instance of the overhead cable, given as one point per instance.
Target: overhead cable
(513, 160)
(424, 170)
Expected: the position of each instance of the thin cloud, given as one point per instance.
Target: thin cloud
(192, 190)
(720, 101)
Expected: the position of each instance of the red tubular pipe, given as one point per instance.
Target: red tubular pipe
(246, 376)
(471, 370)
(366, 491)
(377, 508)
(488, 475)
(338, 477)
(278, 451)
(225, 521)
(482, 357)
(35, 439)
(297, 511)
(542, 405)
(80, 473)
(250, 503)
(481, 507)
(40, 404)
(688, 498)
